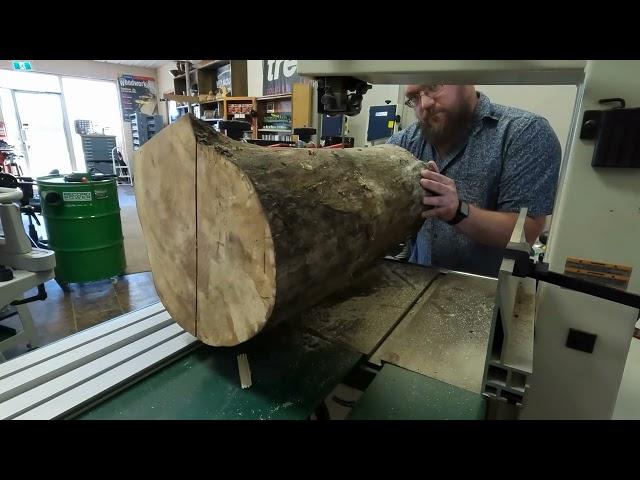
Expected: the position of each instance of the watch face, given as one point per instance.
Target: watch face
(464, 208)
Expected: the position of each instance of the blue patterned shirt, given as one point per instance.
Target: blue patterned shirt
(511, 159)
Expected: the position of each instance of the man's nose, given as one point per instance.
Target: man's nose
(426, 102)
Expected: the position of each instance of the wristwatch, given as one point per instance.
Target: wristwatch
(461, 213)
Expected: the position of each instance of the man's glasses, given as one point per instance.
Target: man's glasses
(427, 90)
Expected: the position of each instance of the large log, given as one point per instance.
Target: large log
(240, 236)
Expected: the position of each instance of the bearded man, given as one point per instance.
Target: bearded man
(486, 161)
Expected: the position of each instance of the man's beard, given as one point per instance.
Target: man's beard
(454, 126)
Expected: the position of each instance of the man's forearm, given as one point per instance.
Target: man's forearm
(495, 228)
(482, 226)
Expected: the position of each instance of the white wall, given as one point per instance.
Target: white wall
(553, 102)
(165, 85)
(254, 78)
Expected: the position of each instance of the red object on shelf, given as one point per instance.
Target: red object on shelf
(11, 168)
(337, 145)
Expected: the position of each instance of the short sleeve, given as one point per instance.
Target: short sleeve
(530, 168)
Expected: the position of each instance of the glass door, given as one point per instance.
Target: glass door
(42, 132)
(98, 102)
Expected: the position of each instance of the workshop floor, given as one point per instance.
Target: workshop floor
(88, 304)
(135, 247)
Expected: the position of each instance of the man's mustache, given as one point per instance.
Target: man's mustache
(431, 113)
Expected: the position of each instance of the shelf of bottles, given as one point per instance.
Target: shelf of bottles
(276, 122)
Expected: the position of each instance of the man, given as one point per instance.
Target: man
(489, 161)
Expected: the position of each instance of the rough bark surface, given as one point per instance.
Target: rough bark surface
(241, 236)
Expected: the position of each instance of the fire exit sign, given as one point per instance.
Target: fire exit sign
(21, 65)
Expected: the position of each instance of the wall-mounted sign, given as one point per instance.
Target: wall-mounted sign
(137, 95)
(21, 65)
(278, 76)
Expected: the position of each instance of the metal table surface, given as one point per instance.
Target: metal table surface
(445, 335)
(398, 394)
(362, 315)
(418, 318)
(294, 365)
(292, 372)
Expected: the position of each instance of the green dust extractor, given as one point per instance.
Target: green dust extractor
(82, 217)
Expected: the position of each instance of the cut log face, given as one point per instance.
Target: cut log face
(165, 187)
(236, 275)
(241, 236)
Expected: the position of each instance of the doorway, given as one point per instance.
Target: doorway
(98, 102)
(42, 132)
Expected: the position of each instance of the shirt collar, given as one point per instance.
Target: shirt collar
(484, 109)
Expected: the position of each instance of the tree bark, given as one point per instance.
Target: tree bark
(241, 236)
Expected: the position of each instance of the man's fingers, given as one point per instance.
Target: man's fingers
(434, 187)
(435, 200)
(433, 212)
(437, 177)
(431, 167)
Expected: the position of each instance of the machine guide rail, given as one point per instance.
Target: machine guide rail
(64, 376)
(519, 250)
(540, 271)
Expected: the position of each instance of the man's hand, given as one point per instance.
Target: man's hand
(444, 196)
(482, 226)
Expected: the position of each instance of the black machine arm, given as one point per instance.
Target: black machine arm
(341, 95)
